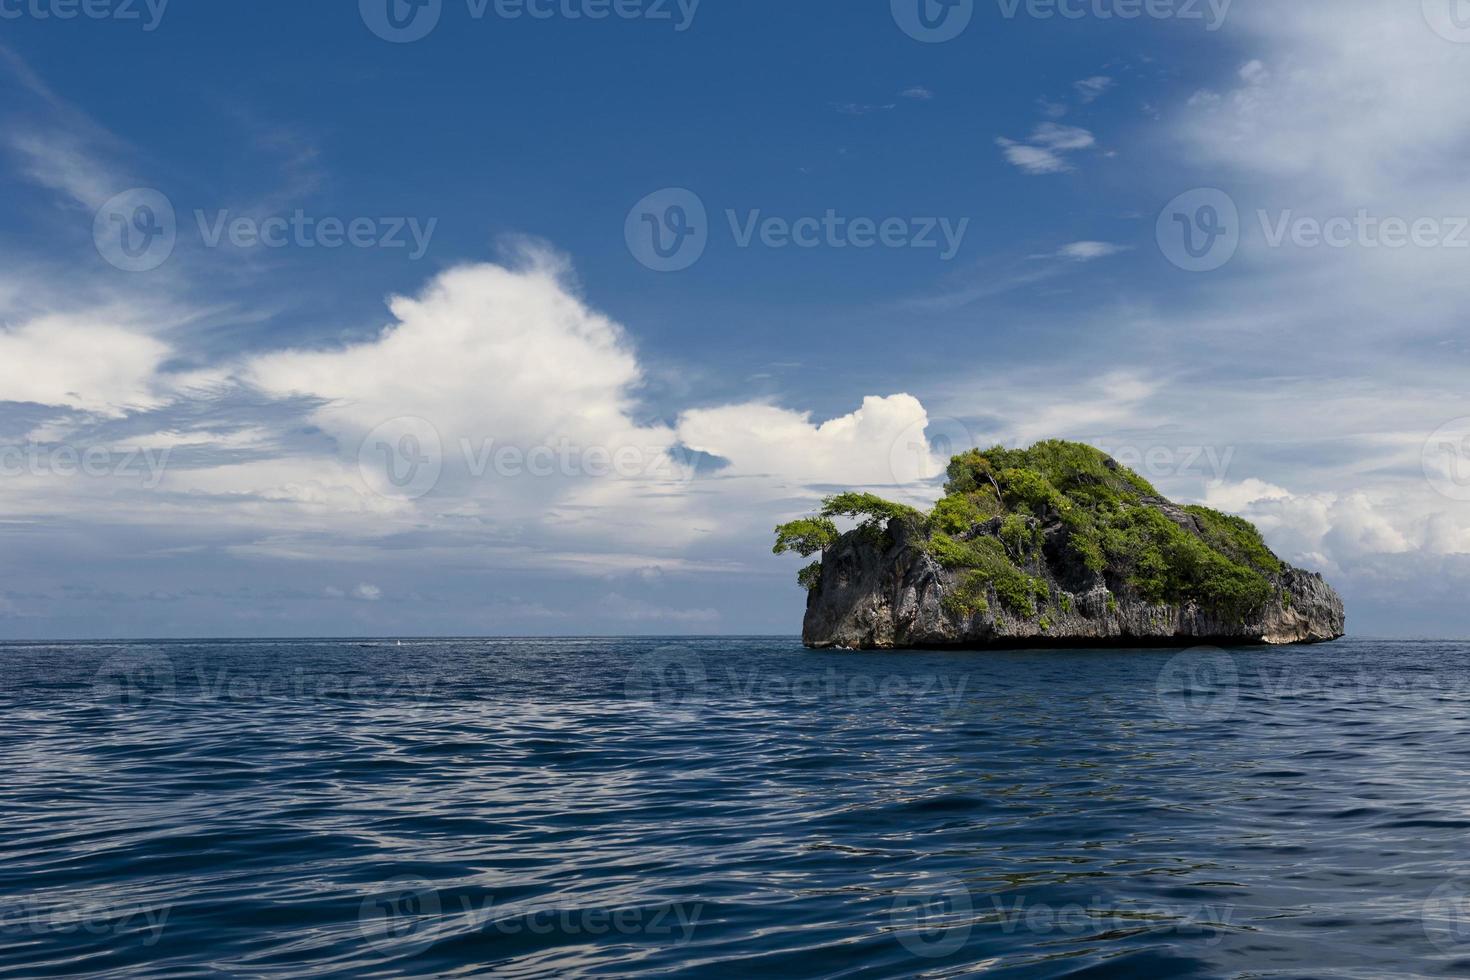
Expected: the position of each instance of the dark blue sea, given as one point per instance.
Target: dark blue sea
(732, 808)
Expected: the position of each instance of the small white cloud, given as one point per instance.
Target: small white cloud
(1043, 152)
(1237, 497)
(1050, 109)
(862, 109)
(367, 592)
(1254, 73)
(1087, 251)
(1092, 89)
(1059, 137)
(869, 447)
(919, 93)
(1032, 159)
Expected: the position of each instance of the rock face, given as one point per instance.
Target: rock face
(890, 594)
(1053, 546)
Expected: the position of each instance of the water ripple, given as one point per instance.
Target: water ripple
(536, 808)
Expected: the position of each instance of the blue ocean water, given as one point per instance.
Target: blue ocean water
(732, 807)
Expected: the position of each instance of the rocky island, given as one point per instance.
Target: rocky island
(1056, 545)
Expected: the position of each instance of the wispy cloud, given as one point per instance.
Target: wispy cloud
(916, 93)
(1087, 251)
(1089, 90)
(1045, 150)
(863, 109)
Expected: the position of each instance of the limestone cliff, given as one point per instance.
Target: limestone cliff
(1053, 546)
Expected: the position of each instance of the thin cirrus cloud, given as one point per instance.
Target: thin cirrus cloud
(916, 93)
(1045, 151)
(1088, 251)
(1089, 90)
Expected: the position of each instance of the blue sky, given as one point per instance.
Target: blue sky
(989, 219)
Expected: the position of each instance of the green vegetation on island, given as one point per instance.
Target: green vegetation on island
(1004, 507)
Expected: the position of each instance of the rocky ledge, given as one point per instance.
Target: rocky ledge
(1057, 545)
